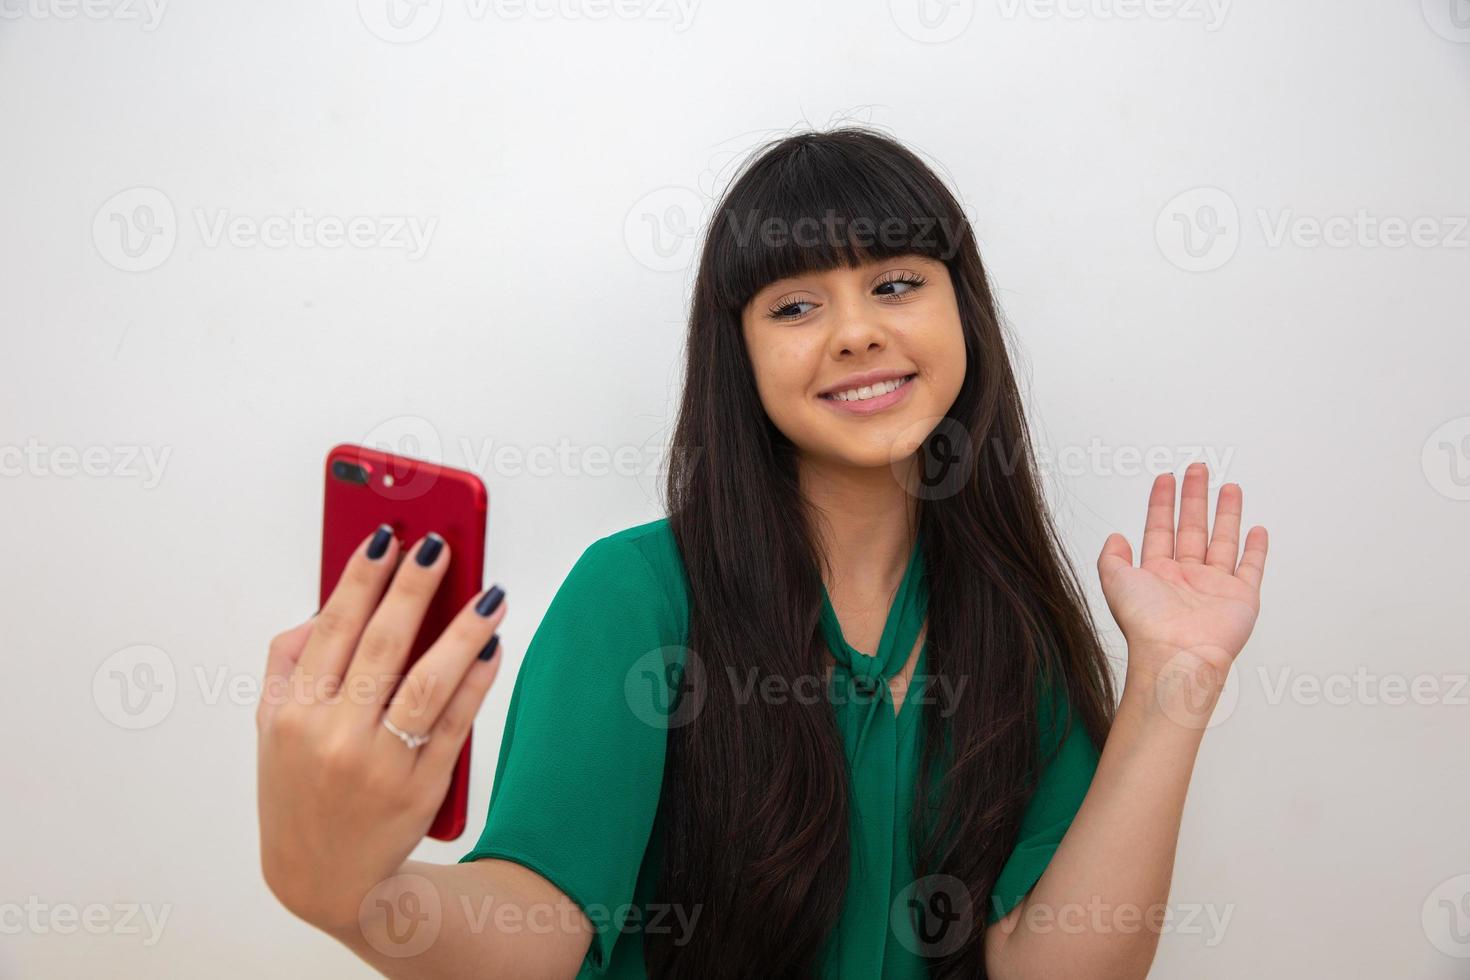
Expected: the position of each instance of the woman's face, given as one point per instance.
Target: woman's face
(819, 342)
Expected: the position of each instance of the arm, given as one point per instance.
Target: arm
(1187, 610)
(1113, 866)
(494, 918)
(342, 801)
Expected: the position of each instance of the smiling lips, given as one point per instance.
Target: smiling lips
(870, 398)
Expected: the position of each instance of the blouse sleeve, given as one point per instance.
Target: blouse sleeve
(1063, 784)
(581, 760)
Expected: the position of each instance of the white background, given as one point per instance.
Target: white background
(544, 311)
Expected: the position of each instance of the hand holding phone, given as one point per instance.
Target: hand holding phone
(344, 797)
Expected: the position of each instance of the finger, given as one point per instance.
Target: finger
(341, 619)
(1225, 540)
(1158, 526)
(387, 639)
(436, 759)
(1253, 561)
(431, 684)
(280, 660)
(1194, 503)
(1116, 553)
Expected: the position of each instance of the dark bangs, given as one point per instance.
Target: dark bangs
(809, 205)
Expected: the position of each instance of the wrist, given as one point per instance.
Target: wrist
(1172, 691)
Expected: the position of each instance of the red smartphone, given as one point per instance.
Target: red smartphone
(365, 488)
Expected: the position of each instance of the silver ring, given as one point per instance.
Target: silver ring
(409, 738)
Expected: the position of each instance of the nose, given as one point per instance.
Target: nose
(858, 325)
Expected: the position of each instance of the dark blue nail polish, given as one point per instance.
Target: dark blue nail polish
(490, 601)
(489, 650)
(378, 546)
(429, 550)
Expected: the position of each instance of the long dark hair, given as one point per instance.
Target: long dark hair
(755, 799)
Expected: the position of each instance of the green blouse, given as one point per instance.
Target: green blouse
(577, 784)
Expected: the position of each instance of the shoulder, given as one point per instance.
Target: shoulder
(641, 564)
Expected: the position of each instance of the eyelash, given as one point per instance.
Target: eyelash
(911, 278)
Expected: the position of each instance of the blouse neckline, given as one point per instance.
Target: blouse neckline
(900, 628)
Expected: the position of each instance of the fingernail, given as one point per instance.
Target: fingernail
(489, 650)
(429, 550)
(490, 601)
(378, 546)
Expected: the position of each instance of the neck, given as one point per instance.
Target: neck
(866, 521)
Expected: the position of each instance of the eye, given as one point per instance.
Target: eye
(781, 309)
(910, 280)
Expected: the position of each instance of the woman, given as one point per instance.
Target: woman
(842, 713)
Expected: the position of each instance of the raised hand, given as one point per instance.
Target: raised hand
(1188, 597)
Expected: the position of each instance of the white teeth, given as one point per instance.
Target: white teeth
(869, 391)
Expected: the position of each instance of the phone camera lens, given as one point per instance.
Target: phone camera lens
(350, 472)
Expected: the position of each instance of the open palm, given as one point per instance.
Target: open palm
(1187, 593)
